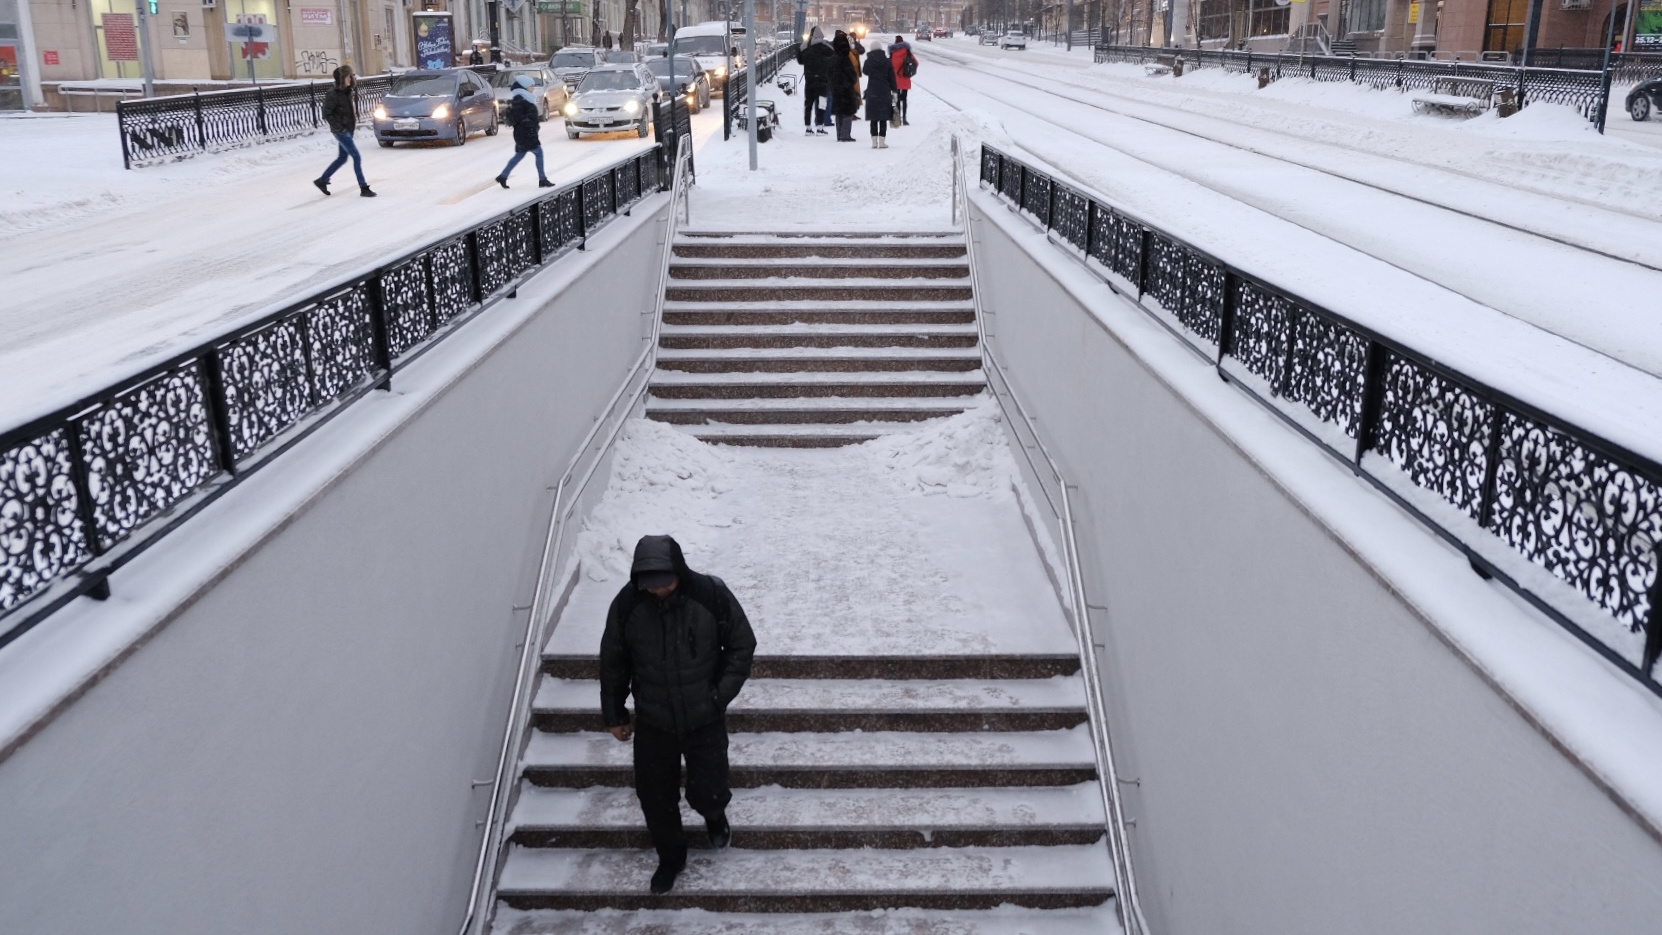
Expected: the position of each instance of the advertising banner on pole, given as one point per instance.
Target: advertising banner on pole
(434, 45)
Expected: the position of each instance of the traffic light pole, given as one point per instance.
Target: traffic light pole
(144, 9)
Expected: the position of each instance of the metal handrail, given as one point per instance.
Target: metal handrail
(536, 630)
(1126, 897)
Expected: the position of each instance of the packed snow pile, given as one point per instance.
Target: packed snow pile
(652, 464)
(962, 456)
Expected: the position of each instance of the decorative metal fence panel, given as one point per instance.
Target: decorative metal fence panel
(1518, 485)
(738, 84)
(87, 487)
(160, 128)
(1580, 89)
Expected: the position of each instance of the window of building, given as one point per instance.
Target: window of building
(1214, 20)
(1367, 16)
(1238, 19)
(1505, 32)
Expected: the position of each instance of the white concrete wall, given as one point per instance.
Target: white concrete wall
(1313, 755)
(293, 751)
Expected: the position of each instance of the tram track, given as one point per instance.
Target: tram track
(1010, 76)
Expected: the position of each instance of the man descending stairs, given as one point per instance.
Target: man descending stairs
(809, 341)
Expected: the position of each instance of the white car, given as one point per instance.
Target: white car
(1014, 38)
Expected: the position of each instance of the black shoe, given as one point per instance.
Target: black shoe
(721, 833)
(322, 185)
(544, 183)
(366, 192)
(502, 180)
(663, 880)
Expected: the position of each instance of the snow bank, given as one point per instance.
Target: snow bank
(963, 456)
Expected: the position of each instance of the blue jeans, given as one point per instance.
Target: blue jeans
(347, 148)
(521, 155)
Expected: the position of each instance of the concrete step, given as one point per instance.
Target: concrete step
(1006, 920)
(819, 760)
(737, 314)
(813, 410)
(677, 337)
(1026, 666)
(670, 384)
(813, 880)
(820, 360)
(818, 290)
(828, 249)
(793, 819)
(816, 268)
(785, 436)
(792, 705)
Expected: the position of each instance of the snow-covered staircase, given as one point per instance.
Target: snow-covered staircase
(814, 341)
(952, 784)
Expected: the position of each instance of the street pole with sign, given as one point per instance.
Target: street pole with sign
(750, 84)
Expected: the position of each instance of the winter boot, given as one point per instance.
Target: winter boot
(882, 142)
(663, 880)
(365, 191)
(544, 183)
(721, 833)
(874, 141)
(502, 180)
(322, 185)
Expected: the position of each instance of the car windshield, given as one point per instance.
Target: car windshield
(572, 59)
(700, 45)
(610, 81)
(422, 86)
(620, 57)
(684, 67)
(657, 50)
(505, 79)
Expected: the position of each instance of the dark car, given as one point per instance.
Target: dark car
(573, 62)
(441, 104)
(694, 83)
(1643, 100)
(923, 35)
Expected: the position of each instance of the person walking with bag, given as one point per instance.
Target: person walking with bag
(845, 87)
(680, 643)
(340, 110)
(815, 58)
(880, 91)
(905, 66)
(523, 117)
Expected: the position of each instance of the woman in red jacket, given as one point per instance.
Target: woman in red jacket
(905, 65)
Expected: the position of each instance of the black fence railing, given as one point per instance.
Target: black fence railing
(1583, 90)
(1543, 506)
(738, 84)
(86, 488)
(159, 129)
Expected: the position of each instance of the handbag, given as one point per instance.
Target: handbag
(894, 112)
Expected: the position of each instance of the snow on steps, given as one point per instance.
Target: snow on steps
(1006, 920)
(755, 318)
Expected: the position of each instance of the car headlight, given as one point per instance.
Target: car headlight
(630, 107)
(721, 70)
(570, 108)
(440, 112)
(380, 112)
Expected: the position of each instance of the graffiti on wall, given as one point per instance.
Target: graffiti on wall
(320, 62)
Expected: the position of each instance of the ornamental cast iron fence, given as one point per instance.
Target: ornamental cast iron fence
(1568, 520)
(738, 84)
(159, 129)
(86, 488)
(1583, 90)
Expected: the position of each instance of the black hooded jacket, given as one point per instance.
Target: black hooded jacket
(338, 107)
(684, 658)
(845, 79)
(815, 60)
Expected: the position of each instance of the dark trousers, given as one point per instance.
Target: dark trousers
(346, 149)
(879, 128)
(813, 110)
(845, 127)
(658, 756)
(900, 102)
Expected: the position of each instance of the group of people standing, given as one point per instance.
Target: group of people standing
(831, 86)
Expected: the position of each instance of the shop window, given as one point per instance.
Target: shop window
(251, 34)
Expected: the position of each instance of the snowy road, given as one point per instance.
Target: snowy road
(111, 281)
(1229, 188)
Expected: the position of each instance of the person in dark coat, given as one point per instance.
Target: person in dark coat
(524, 118)
(680, 643)
(845, 87)
(899, 54)
(340, 111)
(815, 58)
(880, 91)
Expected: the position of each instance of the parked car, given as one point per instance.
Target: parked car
(611, 98)
(1014, 38)
(439, 104)
(693, 81)
(548, 92)
(573, 62)
(621, 57)
(1645, 99)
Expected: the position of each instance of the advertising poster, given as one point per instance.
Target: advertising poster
(433, 45)
(120, 37)
(1647, 27)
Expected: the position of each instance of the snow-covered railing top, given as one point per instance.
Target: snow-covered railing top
(1568, 520)
(88, 487)
(160, 129)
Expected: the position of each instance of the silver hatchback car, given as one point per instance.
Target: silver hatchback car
(612, 98)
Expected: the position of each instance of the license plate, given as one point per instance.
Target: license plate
(406, 124)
